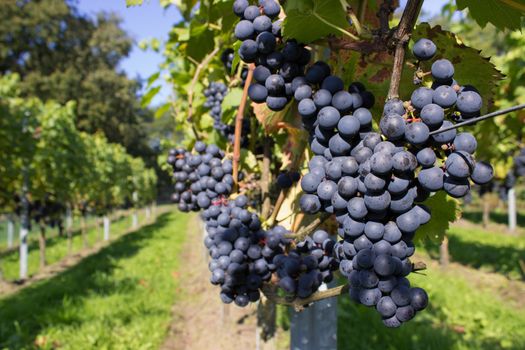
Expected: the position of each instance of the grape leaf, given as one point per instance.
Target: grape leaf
(470, 67)
(130, 3)
(444, 210)
(146, 99)
(232, 99)
(503, 14)
(309, 20)
(201, 41)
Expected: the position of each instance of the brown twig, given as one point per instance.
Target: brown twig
(305, 231)
(277, 207)
(297, 221)
(385, 10)
(401, 37)
(266, 177)
(238, 127)
(194, 80)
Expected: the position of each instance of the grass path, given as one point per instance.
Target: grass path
(202, 321)
(57, 247)
(119, 298)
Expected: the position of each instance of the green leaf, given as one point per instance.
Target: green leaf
(503, 14)
(236, 58)
(152, 79)
(201, 41)
(162, 110)
(309, 20)
(146, 99)
(248, 161)
(130, 3)
(232, 99)
(184, 6)
(444, 210)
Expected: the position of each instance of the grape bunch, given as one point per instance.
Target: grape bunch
(373, 194)
(201, 177)
(302, 270)
(215, 94)
(227, 60)
(239, 258)
(277, 61)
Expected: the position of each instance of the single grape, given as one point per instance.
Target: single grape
(469, 103)
(424, 49)
(392, 126)
(244, 30)
(257, 93)
(262, 24)
(465, 142)
(442, 70)
(444, 96)
(421, 97)
(432, 115)
(482, 173)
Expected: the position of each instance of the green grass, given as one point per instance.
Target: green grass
(497, 216)
(458, 317)
(57, 248)
(489, 251)
(119, 298)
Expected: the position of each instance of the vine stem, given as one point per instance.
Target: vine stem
(238, 127)
(401, 37)
(307, 230)
(266, 177)
(355, 21)
(277, 207)
(194, 80)
(475, 120)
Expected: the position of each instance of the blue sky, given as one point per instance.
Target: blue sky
(142, 22)
(152, 21)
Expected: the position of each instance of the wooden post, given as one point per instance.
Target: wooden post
(106, 227)
(10, 231)
(512, 209)
(134, 219)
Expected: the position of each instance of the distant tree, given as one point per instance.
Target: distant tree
(64, 55)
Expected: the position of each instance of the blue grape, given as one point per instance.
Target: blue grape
(442, 71)
(417, 133)
(482, 173)
(432, 115)
(257, 93)
(444, 96)
(465, 142)
(424, 49)
(244, 30)
(328, 117)
(421, 97)
(469, 103)
(262, 24)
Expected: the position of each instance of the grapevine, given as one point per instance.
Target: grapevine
(372, 177)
